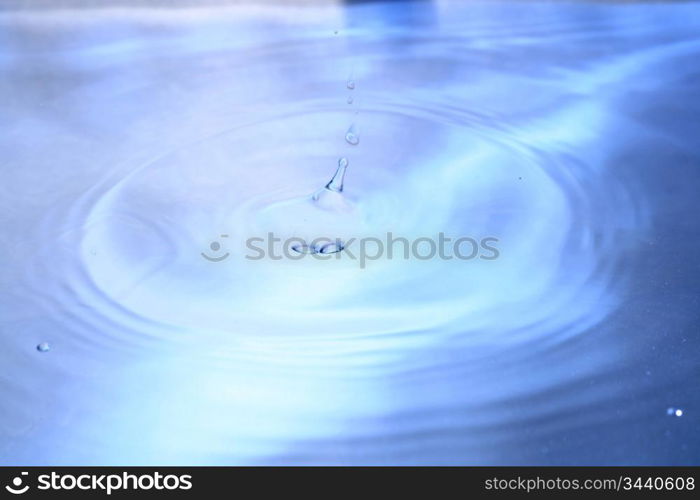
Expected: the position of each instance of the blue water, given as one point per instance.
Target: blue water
(134, 142)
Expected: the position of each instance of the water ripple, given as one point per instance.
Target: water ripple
(168, 136)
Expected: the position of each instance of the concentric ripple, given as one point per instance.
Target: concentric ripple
(170, 140)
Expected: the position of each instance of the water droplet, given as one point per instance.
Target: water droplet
(351, 84)
(352, 137)
(43, 347)
(336, 183)
(350, 100)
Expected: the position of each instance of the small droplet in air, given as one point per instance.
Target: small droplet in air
(351, 84)
(352, 137)
(43, 347)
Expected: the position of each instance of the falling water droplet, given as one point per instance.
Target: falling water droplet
(352, 137)
(43, 347)
(351, 84)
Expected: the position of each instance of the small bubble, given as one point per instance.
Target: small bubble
(332, 248)
(352, 137)
(326, 249)
(351, 84)
(43, 347)
(303, 248)
(215, 246)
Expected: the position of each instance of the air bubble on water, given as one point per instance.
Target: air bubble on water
(352, 137)
(674, 411)
(43, 347)
(323, 248)
(303, 248)
(329, 248)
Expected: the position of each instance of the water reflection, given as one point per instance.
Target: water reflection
(135, 140)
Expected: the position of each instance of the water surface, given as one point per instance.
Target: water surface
(134, 139)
